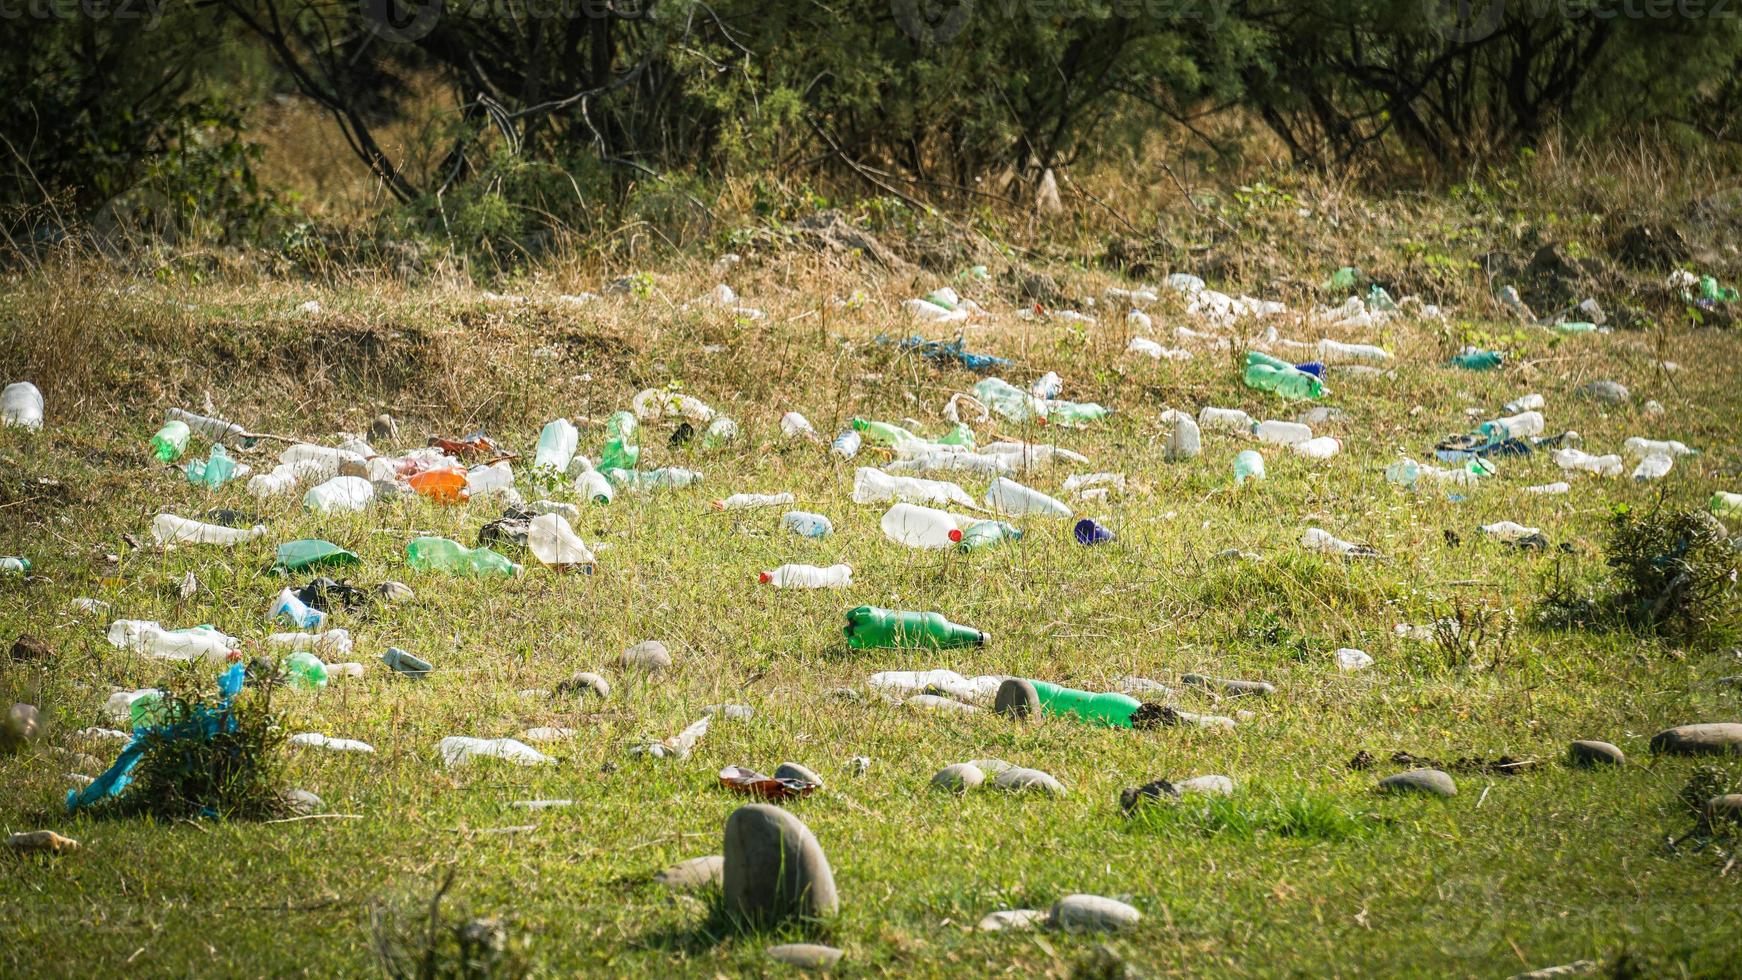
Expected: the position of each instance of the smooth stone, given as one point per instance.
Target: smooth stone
(588, 684)
(1587, 752)
(302, 802)
(933, 702)
(1019, 780)
(1008, 919)
(384, 428)
(1608, 392)
(1212, 785)
(18, 727)
(1093, 913)
(807, 956)
(1420, 781)
(792, 770)
(774, 869)
(1710, 738)
(646, 655)
(693, 875)
(1018, 699)
(1234, 687)
(959, 778)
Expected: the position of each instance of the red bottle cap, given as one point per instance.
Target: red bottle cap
(955, 534)
(764, 578)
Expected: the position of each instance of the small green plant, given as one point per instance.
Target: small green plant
(415, 940)
(1674, 570)
(1469, 630)
(1299, 814)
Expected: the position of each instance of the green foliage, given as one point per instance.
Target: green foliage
(1298, 814)
(1673, 569)
(415, 940)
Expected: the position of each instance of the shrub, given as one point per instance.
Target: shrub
(1674, 570)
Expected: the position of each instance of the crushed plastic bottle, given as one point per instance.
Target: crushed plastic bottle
(1332, 351)
(883, 433)
(212, 428)
(459, 750)
(720, 431)
(985, 534)
(556, 449)
(796, 426)
(1113, 710)
(652, 403)
(621, 448)
(1476, 359)
(1074, 415)
(1277, 376)
(341, 494)
(1725, 504)
(1550, 488)
(1325, 543)
(806, 524)
(1526, 403)
(1409, 473)
(746, 501)
(1640, 448)
(1183, 438)
(1090, 532)
(447, 555)
(150, 638)
(642, 481)
(1574, 459)
(846, 445)
(306, 553)
(1008, 400)
(593, 485)
(331, 643)
(1006, 496)
(874, 486)
(289, 608)
(1510, 532)
(1520, 426)
(14, 565)
(21, 405)
(304, 670)
(920, 527)
(1320, 447)
(1654, 466)
(808, 577)
(1249, 465)
(871, 627)
(494, 478)
(217, 469)
(170, 441)
(447, 484)
(406, 663)
(170, 529)
(553, 542)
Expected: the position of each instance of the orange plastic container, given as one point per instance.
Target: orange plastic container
(447, 484)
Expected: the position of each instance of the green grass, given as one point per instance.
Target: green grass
(1303, 872)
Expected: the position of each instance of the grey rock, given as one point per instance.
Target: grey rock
(774, 869)
(1711, 738)
(384, 428)
(587, 685)
(18, 727)
(806, 956)
(1017, 699)
(1587, 752)
(1607, 392)
(1211, 785)
(1019, 780)
(1010, 919)
(1093, 913)
(792, 770)
(693, 875)
(1234, 687)
(959, 778)
(302, 802)
(1431, 781)
(650, 655)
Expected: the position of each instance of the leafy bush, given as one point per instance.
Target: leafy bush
(1674, 570)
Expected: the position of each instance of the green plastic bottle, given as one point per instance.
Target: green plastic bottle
(146, 710)
(1275, 375)
(869, 626)
(961, 435)
(1477, 360)
(213, 471)
(984, 534)
(882, 433)
(1113, 710)
(304, 670)
(12, 565)
(170, 441)
(621, 449)
(448, 555)
(1075, 415)
(295, 556)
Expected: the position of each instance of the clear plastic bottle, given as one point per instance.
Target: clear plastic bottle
(1006, 496)
(808, 577)
(1509, 531)
(796, 426)
(195, 643)
(1575, 459)
(447, 555)
(806, 524)
(1519, 426)
(621, 449)
(458, 750)
(1640, 448)
(1655, 466)
(331, 643)
(875, 486)
(985, 534)
(652, 403)
(1324, 542)
(920, 527)
(1550, 488)
(1282, 433)
(1526, 403)
(593, 485)
(170, 529)
(212, 428)
(556, 447)
(496, 477)
(1075, 415)
(292, 610)
(1333, 352)
(170, 441)
(1249, 465)
(304, 670)
(1225, 420)
(644, 480)
(553, 542)
(341, 494)
(1008, 400)
(215, 470)
(883, 433)
(719, 432)
(12, 565)
(1183, 440)
(746, 501)
(1319, 447)
(846, 445)
(21, 405)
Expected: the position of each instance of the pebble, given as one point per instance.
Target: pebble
(302, 802)
(933, 702)
(1586, 752)
(1092, 913)
(959, 778)
(18, 727)
(1008, 919)
(1711, 738)
(1234, 687)
(693, 875)
(1018, 699)
(773, 867)
(792, 770)
(806, 956)
(1019, 780)
(592, 685)
(1430, 781)
(648, 655)
(1607, 392)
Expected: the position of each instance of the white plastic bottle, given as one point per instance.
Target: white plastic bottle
(322, 462)
(457, 750)
(21, 405)
(920, 527)
(846, 445)
(808, 577)
(1320, 447)
(170, 529)
(295, 612)
(1550, 488)
(1325, 543)
(331, 643)
(1655, 466)
(497, 476)
(948, 459)
(1024, 456)
(553, 542)
(556, 447)
(806, 524)
(745, 501)
(150, 638)
(1526, 403)
(1183, 440)
(1576, 459)
(1331, 351)
(210, 427)
(593, 485)
(1519, 426)
(1509, 531)
(281, 480)
(339, 495)
(1006, 496)
(1640, 448)
(1282, 433)
(874, 486)
(796, 426)
(652, 403)
(1225, 420)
